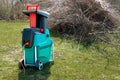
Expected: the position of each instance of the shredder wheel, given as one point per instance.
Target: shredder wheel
(40, 66)
(20, 64)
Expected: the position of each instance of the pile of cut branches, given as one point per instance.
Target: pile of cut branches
(83, 19)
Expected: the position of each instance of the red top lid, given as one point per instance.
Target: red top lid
(32, 7)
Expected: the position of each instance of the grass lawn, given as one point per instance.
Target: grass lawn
(72, 61)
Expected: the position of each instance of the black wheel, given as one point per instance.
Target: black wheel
(52, 62)
(21, 64)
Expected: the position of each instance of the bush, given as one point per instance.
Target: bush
(11, 10)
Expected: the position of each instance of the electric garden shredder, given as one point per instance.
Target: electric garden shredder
(36, 42)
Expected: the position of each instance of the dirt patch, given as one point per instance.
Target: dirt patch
(11, 56)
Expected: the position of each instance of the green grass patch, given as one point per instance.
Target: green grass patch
(72, 61)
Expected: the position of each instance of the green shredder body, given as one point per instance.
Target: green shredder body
(43, 47)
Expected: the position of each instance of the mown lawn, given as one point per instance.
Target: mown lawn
(72, 61)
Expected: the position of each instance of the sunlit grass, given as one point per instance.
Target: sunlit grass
(72, 61)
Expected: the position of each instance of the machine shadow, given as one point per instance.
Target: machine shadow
(32, 73)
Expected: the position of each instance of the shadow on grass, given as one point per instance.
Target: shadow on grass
(31, 73)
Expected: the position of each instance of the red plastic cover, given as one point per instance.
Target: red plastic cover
(32, 7)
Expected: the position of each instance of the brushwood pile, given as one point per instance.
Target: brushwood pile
(85, 20)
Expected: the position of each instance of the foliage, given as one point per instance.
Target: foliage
(12, 9)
